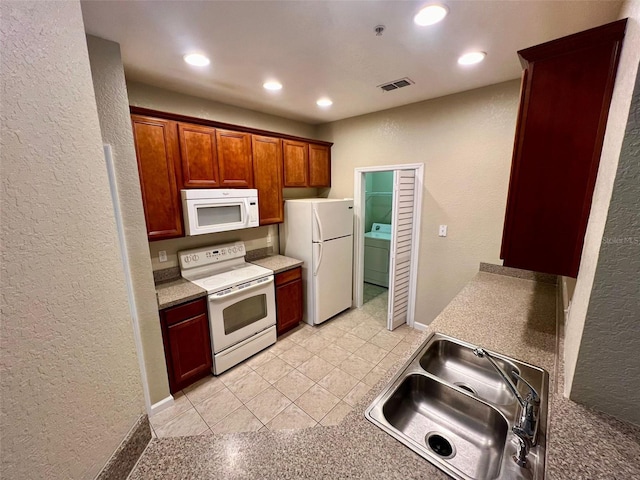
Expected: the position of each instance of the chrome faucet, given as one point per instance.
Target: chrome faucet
(526, 428)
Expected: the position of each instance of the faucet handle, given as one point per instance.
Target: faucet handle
(533, 396)
(524, 446)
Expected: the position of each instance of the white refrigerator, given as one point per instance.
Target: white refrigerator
(319, 231)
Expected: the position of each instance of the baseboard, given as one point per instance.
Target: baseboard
(161, 405)
(125, 457)
(420, 326)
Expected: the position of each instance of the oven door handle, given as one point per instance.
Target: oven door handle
(213, 297)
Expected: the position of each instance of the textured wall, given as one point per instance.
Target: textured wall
(115, 124)
(70, 380)
(607, 372)
(465, 141)
(147, 96)
(616, 125)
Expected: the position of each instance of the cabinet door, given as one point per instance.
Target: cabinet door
(199, 156)
(567, 87)
(296, 163)
(234, 159)
(267, 177)
(288, 299)
(185, 330)
(319, 166)
(157, 152)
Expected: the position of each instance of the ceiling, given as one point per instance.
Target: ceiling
(329, 48)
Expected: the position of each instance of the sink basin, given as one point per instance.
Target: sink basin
(458, 365)
(452, 408)
(471, 434)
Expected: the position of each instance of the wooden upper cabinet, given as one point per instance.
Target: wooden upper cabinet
(566, 90)
(296, 163)
(157, 152)
(234, 159)
(199, 156)
(267, 175)
(319, 166)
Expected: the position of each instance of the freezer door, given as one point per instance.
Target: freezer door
(332, 220)
(332, 277)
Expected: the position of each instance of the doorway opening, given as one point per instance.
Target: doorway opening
(387, 204)
(378, 210)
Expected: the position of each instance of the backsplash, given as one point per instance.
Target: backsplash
(254, 239)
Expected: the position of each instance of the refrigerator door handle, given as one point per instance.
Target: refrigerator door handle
(315, 271)
(315, 214)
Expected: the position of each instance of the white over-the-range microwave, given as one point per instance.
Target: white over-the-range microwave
(219, 210)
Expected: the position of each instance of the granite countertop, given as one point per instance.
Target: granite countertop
(509, 315)
(277, 263)
(177, 291)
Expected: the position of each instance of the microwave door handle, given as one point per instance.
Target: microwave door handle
(315, 271)
(214, 297)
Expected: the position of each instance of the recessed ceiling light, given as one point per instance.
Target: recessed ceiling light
(272, 85)
(471, 58)
(324, 102)
(196, 59)
(430, 14)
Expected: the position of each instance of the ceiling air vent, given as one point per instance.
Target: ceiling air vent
(403, 82)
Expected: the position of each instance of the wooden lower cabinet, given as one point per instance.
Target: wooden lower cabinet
(288, 299)
(187, 343)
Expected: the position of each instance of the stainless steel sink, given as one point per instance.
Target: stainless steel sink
(456, 363)
(451, 407)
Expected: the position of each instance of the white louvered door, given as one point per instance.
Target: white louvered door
(404, 198)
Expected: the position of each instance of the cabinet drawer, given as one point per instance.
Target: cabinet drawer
(182, 312)
(288, 276)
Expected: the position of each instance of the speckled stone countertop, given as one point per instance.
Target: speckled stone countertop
(278, 263)
(506, 314)
(176, 292)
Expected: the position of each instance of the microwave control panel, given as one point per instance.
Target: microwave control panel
(199, 257)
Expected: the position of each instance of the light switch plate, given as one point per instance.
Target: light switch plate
(162, 255)
(442, 232)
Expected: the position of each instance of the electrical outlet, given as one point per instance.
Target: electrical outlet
(442, 232)
(162, 255)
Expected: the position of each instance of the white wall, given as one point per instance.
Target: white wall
(113, 111)
(69, 376)
(466, 142)
(602, 334)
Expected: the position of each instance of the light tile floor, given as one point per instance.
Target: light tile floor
(311, 376)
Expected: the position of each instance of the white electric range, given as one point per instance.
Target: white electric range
(241, 302)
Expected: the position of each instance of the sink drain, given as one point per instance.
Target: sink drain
(466, 387)
(440, 445)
